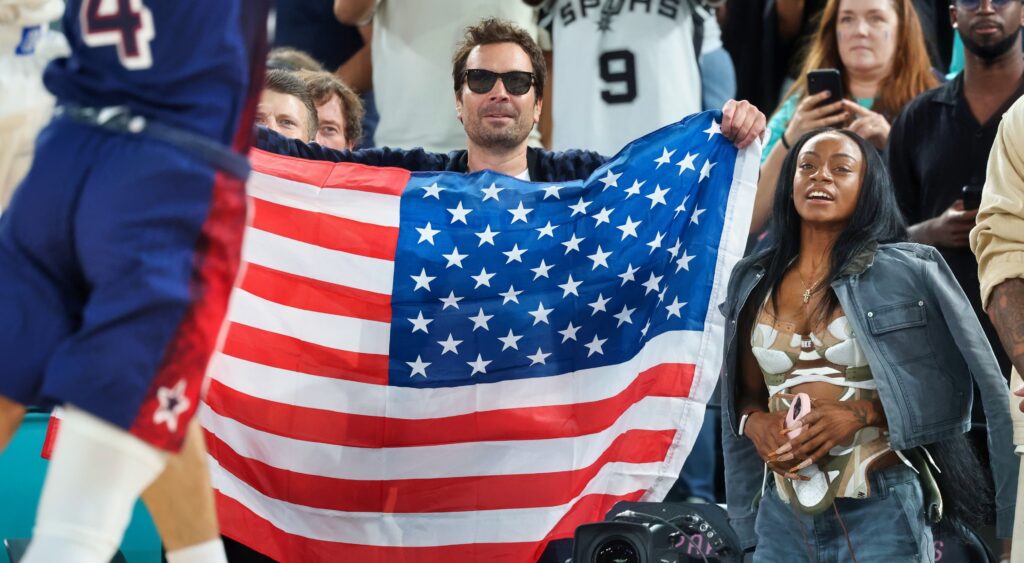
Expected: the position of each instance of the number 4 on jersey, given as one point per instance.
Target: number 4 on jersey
(128, 24)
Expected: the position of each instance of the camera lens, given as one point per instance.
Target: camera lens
(617, 551)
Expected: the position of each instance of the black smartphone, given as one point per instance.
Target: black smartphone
(972, 196)
(825, 79)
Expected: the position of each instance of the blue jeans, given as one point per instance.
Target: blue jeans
(887, 526)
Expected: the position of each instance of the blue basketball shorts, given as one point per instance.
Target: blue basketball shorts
(117, 257)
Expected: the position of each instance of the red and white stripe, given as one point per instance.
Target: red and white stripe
(316, 458)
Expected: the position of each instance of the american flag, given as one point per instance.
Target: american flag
(450, 367)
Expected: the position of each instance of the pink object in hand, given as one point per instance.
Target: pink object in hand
(799, 408)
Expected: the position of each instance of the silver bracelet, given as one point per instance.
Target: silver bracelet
(743, 422)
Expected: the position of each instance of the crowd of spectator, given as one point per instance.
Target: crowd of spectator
(928, 99)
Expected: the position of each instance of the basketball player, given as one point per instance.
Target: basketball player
(119, 249)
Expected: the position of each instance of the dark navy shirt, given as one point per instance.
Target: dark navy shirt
(544, 166)
(936, 147)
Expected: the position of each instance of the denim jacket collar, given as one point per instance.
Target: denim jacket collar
(860, 262)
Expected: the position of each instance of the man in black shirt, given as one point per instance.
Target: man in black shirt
(941, 141)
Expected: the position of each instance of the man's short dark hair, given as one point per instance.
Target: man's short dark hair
(322, 85)
(287, 58)
(287, 82)
(493, 30)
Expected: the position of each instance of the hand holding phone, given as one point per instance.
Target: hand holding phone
(972, 196)
(825, 79)
(822, 107)
(799, 408)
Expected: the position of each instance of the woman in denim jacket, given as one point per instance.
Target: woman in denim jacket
(878, 335)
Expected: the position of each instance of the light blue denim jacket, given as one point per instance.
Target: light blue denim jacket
(925, 348)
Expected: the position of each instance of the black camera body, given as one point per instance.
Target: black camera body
(613, 542)
(649, 532)
(624, 542)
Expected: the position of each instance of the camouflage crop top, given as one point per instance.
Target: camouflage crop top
(789, 362)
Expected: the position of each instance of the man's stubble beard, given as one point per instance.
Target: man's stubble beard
(994, 51)
(505, 138)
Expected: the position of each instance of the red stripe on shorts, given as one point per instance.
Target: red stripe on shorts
(174, 393)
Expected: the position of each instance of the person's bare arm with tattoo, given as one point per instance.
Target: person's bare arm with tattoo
(1006, 309)
(998, 241)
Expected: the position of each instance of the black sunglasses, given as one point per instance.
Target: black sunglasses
(517, 82)
(975, 4)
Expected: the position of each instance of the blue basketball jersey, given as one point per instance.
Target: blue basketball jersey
(183, 63)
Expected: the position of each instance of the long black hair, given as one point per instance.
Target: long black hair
(876, 219)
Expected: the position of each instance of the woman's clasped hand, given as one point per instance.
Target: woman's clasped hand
(829, 424)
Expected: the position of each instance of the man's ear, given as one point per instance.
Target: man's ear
(458, 106)
(537, 109)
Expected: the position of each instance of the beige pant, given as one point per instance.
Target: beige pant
(1018, 440)
(1018, 521)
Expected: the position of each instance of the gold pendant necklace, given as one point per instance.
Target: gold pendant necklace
(809, 289)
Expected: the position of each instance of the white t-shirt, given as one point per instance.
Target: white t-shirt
(413, 43)
(619, 77)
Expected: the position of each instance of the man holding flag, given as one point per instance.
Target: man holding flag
(431, 366)
(499, 74)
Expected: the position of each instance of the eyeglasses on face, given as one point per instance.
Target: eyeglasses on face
(975, 4)
(517, 82)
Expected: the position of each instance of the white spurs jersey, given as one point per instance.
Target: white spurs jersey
(622, 68)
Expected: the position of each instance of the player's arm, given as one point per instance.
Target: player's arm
(354, 12)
